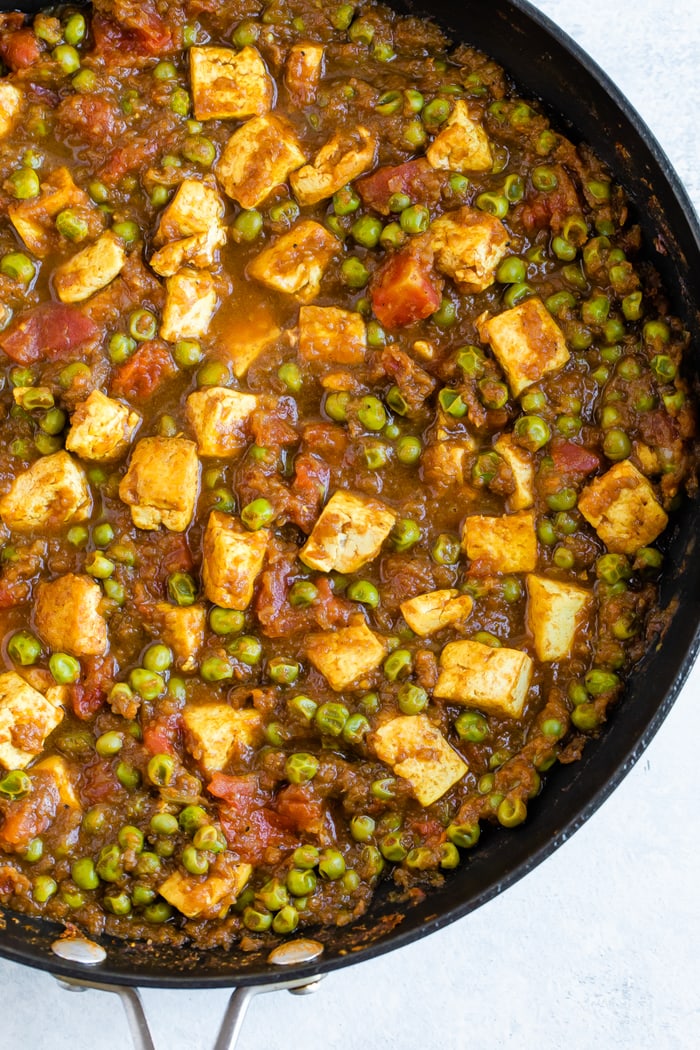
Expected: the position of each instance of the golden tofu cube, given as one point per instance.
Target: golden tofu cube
(206, 897)
(555, 612)
(500, 545)
(430, 612)
(257, 158)
(296, 261)
(229, 84)
(349, 533)
(522, 468)
(232, 561)
(493, 680)
(346, 156)
(10, 105)
(195, 208)
(331, 335)
(101, 428)
(53, 492)
(217, 416)
(469, 244)
(68, 618)
(162, 483)
(64, 777)
(190, 301)
(26, 719)
(246, 335)
(198, 250)
(214, 731)
(90, 270)
(418, 752)
(303, 71)
(527, 343)
(345, 655)
(623, 509)
(33, 219)
(182, 627)
(462, 145)
(446, 461)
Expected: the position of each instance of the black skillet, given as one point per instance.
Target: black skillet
(586, 106)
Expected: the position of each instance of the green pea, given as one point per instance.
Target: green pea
(24, 184)
(120, 347)
(446, 314)
(23, 648)
(157, 658)
(199, 150)
(301, 882)
(472, 727)
(632, 306)
(300, 768)
(376, 455)
(247, 649)
(180, 102)
(246, 33)
(74, 30)
(148, 684)
(371, 413)
(109, 744)
(18, 266)
(544, 179)
(365, 592)
(67, 58)
(117, 903)
(226, 621)
(384, 790)
(182, 589)
(355, 729)
(97, 565)
(330, 718)
(302, 594)
(451, 402)
(616, 444)
(415, 219)
(412, 699)
(392, 847)
(511, 812)
(446, 549)
(436, 112)
(258, 514)
(286, 920)
(354, 273)
(585, 717)
(257, 919)
(290, 374)
(392, 236)
(303, 706)
(405, 535)
(216, 669)
(464, 835)
(345, 201)
(194, 861)
(366, 231)
(532, 432)
(493, 203)
(331, 865)
(142, 325)
(64, 668)
(43, 888)
(158, 912)
(247, 225)
(511, 270)
(398, 664)
(414, 135)
(163, 824)
(273, 895)
(283, 671)
(599, 682)
(15, 785)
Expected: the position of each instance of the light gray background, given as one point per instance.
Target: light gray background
(596, 948)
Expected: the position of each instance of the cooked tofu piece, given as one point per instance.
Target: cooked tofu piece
(296, 261)
(214, 731)
(493, 680)
(257, 158)
(195, 208)
(247, 336)
(332, 336)
(26, 719)
(68, 618)
(343, 656)
(101, 428)
(190, 301)
(64, 777)
(10, 104)
(198, 251)
(182, 627)
(162, 483)
(446, 461)
(210, 896)
(53, 492)
(501, 545)
(229, 84)
(217, 416)
(522, 468)
(555, 612)
(462, 145)
(469, 244)
(346, 156)
(33, 219)
(430, 612)
(623, 509)
(417, 751)
(303, 72)
(232, 559)
(349, 533)
(91, 269)
(527, 343)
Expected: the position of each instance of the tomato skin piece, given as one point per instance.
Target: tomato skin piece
(19, 50)
(406, 289)
(48, 331)
(142, 374)
(570, 458)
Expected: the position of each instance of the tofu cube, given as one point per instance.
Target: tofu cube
(623, 509)
(493, 680)
(522, 468)
(214, 731)
(500, 545)
(446, 462)
(555, 612)
(527, 343)
(195, 208)
(330, 335)
(469, 244)
(346, 156)
(53, 492)
(198, 250)
(64, 777)
(182, 627)
(162, 483)
(418, 752)
(349, 533)
(26, 719)
(427, 613)
(190, 301)
(217, 416)
(33, 219)
(91, 269)
(346, 655)
(210, 896)
(10, 105)
(246, 335)
(101, 428)
(68, 618)
(257, 158)
(296, 261)
(232, 561)
(229, 84)
(303, 72)
(462, 145)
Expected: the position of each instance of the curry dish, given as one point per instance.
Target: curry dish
(340, 418)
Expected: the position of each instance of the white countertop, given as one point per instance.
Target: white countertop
(598, 946)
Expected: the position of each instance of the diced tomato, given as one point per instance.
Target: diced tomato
(308, 488)
(570, 458)
(48, 331)
(135, 28)
(13, 592)
(248, 823)
(417, 179)
(234, 789)
(551, 208)
(299, 809)
(161, 736)
(142, 374)
(176, 554)
(90, 116)
(406, 289)
(30, 816)
(89, 694)
(19, 50)
(99, 783)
